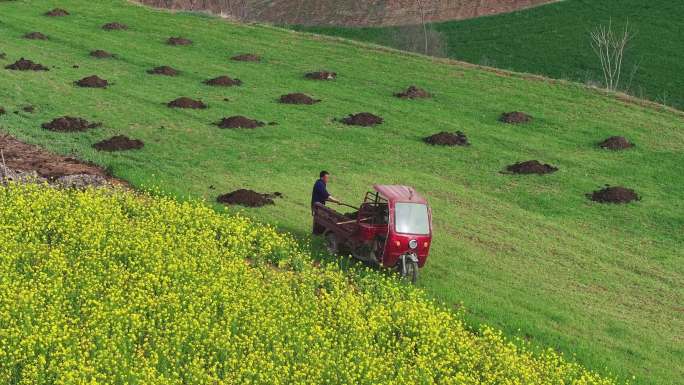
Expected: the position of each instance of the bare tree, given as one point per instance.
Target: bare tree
(238, 9)
(420, 37)
(610, 47)
(412, 38)
(421, 11)
(632, 75)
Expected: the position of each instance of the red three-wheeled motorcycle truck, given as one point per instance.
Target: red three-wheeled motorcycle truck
(392, 228)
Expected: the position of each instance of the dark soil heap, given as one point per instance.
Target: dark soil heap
(69, 124)
(531, 167)
(448, 139)
(413, 92)
(26, 65)
(57, 12)
(163, 70)
(114, 26)
(185, 102)
(35, 36)
(223, 81)
(118, 143)
(92, 82)
(515, 117)
(247, 57)
(29, 109)
(352, 215)
(616, 143)
(100, 54)
(615, 194)
(178, 41)
(297, 98)
(239, 122)
(2, 111)
(364, 119)
(321, 75)
(246, 198)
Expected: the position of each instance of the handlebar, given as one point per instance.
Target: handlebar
(344, 204)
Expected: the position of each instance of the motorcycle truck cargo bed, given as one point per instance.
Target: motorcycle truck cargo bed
(392, 228)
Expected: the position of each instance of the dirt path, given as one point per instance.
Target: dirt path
(349, 12)
(27, 157)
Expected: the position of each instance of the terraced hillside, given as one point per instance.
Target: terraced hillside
(553, 40)
(529, 254)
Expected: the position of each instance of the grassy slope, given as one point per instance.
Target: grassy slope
(528, 254)
(553, 40)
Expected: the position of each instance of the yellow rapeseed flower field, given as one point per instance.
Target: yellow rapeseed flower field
(110, 287)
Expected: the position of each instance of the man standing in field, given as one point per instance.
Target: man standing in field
(321, 195)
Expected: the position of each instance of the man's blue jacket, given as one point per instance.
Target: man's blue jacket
(319, 193)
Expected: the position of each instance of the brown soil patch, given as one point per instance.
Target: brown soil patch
(57, 12)
(364, 119)
(119, 143)
(223, 81)
(2, 111)
(100, 54)
(448, 139)
(515, 117)
(184, 102)
(373, 13)
(616, 143)
(26, 65)
(321, 75)
(35, 36)
(413, 92)
(92, 82)
(239, 122)
(531, 167)
(247, 57)
(297, 98)
(178, 41)
(614, 194)
(163, 70)
(25, 157)
(247, 198)
(69, 124)
(29, 109)
(114, 26)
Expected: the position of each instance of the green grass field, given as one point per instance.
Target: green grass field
(553, 40)
(530, 255)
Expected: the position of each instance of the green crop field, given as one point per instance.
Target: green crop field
(530, 255)
(553, 40)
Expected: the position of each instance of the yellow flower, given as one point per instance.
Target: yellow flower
(111, 287)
